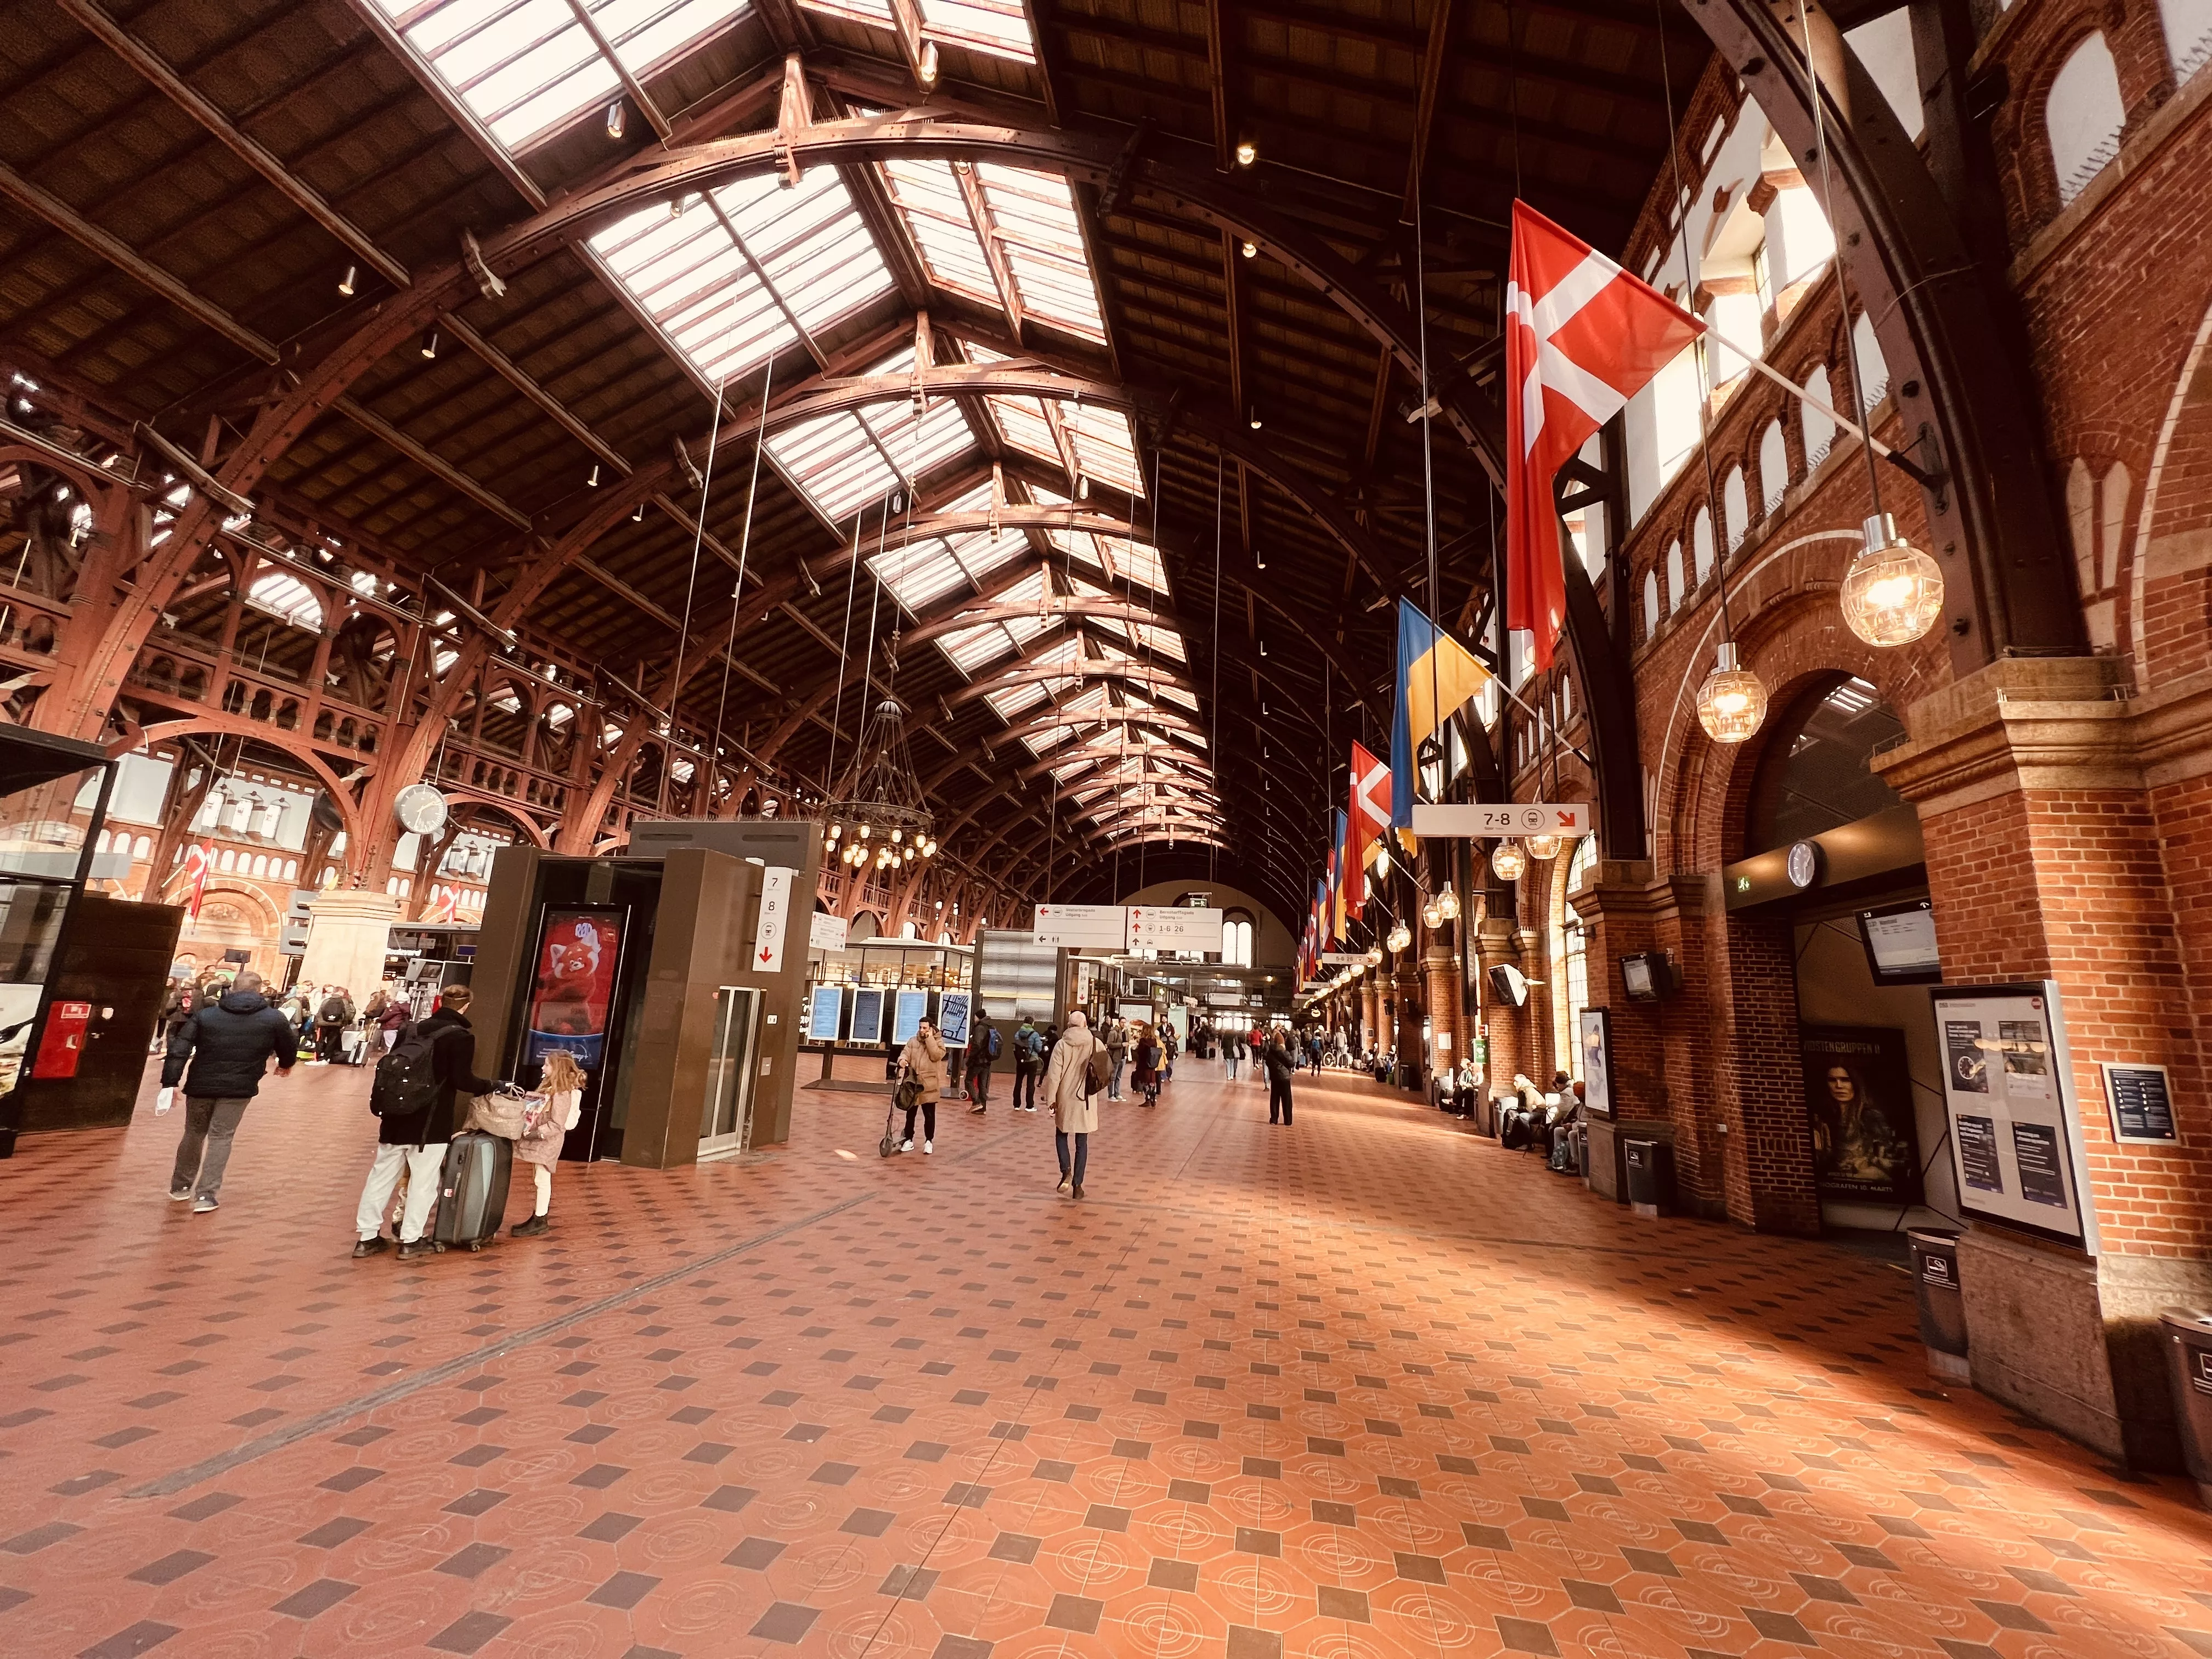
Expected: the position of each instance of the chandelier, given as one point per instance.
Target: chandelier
(1893, 591)
(877, 813)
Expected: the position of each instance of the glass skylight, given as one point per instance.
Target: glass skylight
(843, 461)
(1011, 699)
(971, 648)
(287, 597)
(1114, 558)
(524, 67)
(1030, 217)
(1098, 439)
(703, 288)
(929, 567)
(997, 27)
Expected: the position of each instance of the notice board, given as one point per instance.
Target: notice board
(2008, 1098)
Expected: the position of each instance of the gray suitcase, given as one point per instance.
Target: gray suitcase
(472, 1190)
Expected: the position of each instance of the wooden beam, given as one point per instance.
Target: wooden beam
(1217, 69)
(249, 150)
(1425, 108)
(430, 462)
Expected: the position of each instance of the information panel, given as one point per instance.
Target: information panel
(907, 1013)
(1173, 927)
(2007, 1097)
(1506, 819)
(952, 1017)
(826, 1013)
(1086, 927)
(867, 1014)
(2140, 1104)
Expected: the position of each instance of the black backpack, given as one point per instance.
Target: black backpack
(406, 1078)
(1094, 1070)
(333, 1012)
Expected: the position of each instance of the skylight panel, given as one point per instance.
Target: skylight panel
(1160, 641)
(996, 27)
(1015, 699)
(526, 67)
(1103, 446)
(704, 289)
(929, 197)
(1175, 693)
(971, 648)
(1035, 215)
(1114, 558)
(841, 462)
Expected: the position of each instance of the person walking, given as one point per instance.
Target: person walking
(396, 1018)
(416, 1140)
(332, 1018)
(177, 1007)
(1312, 1050)
(544, 1131)
(1232, 1050)
(982, 1051)
(1282, 1066)
(1169, 1043)
(1146, 1077)
(923, 1060)
(229, 1045)
(1029, 1064)
(1117, 1054)
(1073, 1081)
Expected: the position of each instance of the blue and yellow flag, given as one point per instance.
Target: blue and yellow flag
(1436, 675)
(1342, 876)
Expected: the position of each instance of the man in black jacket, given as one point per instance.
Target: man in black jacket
(229, 1045)
(1281, 1066)
(417, 1140)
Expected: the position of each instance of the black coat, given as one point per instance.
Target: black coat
(1281, 1067)
(229, 1046)
(453, 1061)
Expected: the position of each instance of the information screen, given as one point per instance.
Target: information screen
(907, 1013)
(827, 1014)
(952, 1017)
(1900, 943)
(867, 1014)
(2006, 1093)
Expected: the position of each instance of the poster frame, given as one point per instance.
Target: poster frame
(955, 1016)
(532, 1053)
(1890, 1048)
(2107, 1068)
(1597, 1092)
(2075, 1153)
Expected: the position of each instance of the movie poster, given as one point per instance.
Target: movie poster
(1858, 1092)
(573, 987)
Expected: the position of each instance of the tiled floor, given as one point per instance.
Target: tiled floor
(1366, 1387)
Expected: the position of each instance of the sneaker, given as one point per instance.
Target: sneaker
(531, 1228)
(376, 1246)
(906, 1145)
(179, 1194)
(928, 1146)
(973, 1110)
(204, 1203)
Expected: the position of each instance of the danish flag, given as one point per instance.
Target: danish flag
(1582, 338)
(1369, 817)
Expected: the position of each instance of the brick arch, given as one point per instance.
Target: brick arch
(531, 830)
(2023, 135)
(231, 727)
(2165, 623)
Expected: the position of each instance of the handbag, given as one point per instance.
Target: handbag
(909, 1094)
(501, 1114)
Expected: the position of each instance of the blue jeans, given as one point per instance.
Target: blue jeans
(1232, 1066)
(1082, 1152)
(1114, 1089)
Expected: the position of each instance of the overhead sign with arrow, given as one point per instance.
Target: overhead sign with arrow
(1508, 820)
(774, 912)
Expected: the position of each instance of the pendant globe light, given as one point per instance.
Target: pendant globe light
(1542, 847)
(1448, 904)
(1400, 937)
(1507, 861)
(1432, 918)
(1732, 703)
(1893, 591)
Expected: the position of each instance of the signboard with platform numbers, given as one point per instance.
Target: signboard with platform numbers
(1083, 926)
(1507, 820)
(1173, 927)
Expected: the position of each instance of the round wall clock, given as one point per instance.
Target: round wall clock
(1804, 863)
(420, 808)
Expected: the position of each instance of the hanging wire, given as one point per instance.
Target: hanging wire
(691, 588)
(744, 550)
(1704, 360)
(1212, 852)
(1428, 482)
(844, 654)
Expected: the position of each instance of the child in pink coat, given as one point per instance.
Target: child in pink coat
(544, 1128)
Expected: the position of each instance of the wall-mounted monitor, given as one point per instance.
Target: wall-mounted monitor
(1648, 976)
(867, 1014)
(826, 1014)
(1900, 943)
(1508, 985)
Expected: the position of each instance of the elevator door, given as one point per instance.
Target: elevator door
(726, 1118)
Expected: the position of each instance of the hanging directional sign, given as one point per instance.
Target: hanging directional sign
(775, 911)
(1082, 927)
(1507, 820)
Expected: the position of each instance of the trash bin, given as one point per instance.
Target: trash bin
(1942, 1307)
(1650, 1177)
(2188, 1363)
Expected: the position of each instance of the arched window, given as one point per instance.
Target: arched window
(1774, 467)
(228, 861)
(287, 597)
(1820, 430)
(1570, 954)
(1237, 939)
(261, 864)
(1701, 539)
(142, 847)
(291, 869)
(1735, 508)
(1650, 603)
(1677, 590)
(1873, 368)
(2082, 116)
(392, 887)
(2188, 34)
(1812, 773)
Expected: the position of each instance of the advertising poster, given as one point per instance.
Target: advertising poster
(911, 1008)
(867, 1014)
(1858, 1095)
(573, 985)
(826, 1012)
(953, 1018)
(2006, 1093)
(1595, 1042)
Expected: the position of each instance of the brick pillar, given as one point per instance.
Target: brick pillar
(2066, 835)
(1370, 1013)
(1408, 1035)
(1441, 968)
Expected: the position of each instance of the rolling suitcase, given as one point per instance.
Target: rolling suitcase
(472, 1190)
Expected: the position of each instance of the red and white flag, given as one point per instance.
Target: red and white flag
(1582, 338)
(1370, 819)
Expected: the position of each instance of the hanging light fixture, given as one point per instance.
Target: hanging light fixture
(614, 119)
(429, 344)
(1247, 153)
(1249, 249)
(1448, 904)
(1400, 937)
(346, 282)
(1431, 917)
(882, 792)
(1893, 591)
(1542, 847)
(1732, 703)
(1507, 861)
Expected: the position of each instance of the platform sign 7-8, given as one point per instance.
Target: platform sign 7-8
(1506, 819)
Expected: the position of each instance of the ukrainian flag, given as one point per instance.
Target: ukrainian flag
(1340, 880)
(1436, 675)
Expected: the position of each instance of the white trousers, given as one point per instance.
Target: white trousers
(423, 1165)
(545, 1179)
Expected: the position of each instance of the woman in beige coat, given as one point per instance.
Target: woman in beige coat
(1074, 1103)
(924, 1058)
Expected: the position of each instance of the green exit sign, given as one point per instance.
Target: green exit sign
(1743, 883)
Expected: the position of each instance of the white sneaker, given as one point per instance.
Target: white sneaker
(906, 1145)
(927, 1146)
